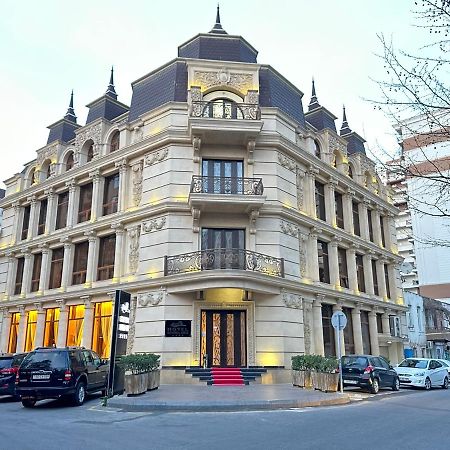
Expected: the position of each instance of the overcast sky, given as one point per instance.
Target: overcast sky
(48, 47)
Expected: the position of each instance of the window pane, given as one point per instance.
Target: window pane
(106, 257)
(31, 331)
(51, 327)
(111, 194)
(36, 272)
(85, 205)
(101, 335)
(13, 333)
(42, 217)
(56, 268)
(80, 263)
(75, 326)
(61, 214)
(19, 275)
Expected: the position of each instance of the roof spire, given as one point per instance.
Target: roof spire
(217, 28)
(345, 129)
(314, 103)
(70, 114)
(111, 91)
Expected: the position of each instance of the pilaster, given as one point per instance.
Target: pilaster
(123, 169)
(51, 210)
(92, 257)
(74, 192)
(373, 331)
(62, 324)
(22, 329)
(27, 268)
(40, 325)
(347, 200)
(88, 322)
(357, 331)
(118, 255)
(34, 211)
(45, 268)
(330, 202)
(318, 328)
(67, 264)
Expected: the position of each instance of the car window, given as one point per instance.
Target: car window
(376, 362)
(354, 361)
(445, 363)
(45, 361)
(5, 363)
(96, 359)
(435, 365)
(414, 363)
(384, 363)
(17, 361)
(88, 357)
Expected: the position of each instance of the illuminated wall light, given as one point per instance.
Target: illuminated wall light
(306, 281)
(115, 280)
(400, 301)
(270, 359)
(131, 278)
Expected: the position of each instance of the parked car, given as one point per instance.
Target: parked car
(446, 364)
(423, 372)
(9, 364)
(369, 372)
(60, 372)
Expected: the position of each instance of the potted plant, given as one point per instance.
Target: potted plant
(317, 371)
(136, 367)
(154, 374)
(330, 375)
(302, 370)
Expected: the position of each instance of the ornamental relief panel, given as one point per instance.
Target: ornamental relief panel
(334, 143)
(289, 228)
(292, 300)
(156, 157)
(240, 81)
(47, 153)
(152, 298)
(94, 133)
(134, 234)
(136, 174)
(152, 225)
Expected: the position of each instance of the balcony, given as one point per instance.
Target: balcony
(224, 120)
(224, 259)
(236, 194)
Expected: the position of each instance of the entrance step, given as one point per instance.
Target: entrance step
(226, 376)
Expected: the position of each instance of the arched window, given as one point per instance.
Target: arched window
(70, 162)
(30, 180)
(350, 171)
(90, 152)
(49, 172)
(222, 108)
(316, 149)
(115, 142)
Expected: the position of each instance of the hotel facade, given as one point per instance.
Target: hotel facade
(222, 206)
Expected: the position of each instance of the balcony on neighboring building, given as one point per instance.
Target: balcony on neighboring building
(224, 259)
(223, 120)
(237, 194)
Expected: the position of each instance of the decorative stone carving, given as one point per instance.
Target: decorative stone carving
(287, 162)
(302, 257)
(195, 220)
(251, 144)
(334, 143)
(134, 234)
(307, 307)
(300, 174)
(137, 175)
(156, 157)
(132, 330)
(196, 145)
(47, 153)
(138, 134)
(94, 132)
(292, 300)
(121, 164)
(152, 298)
(153, 225)
(254, 214)
(253, 97)
(239, 81)
(289, 228)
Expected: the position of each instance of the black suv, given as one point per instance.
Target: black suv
(9, 365)
(60, 372)
(369, 372)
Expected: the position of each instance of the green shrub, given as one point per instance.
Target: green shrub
(139, 362)
(330, 365)
(315, 362)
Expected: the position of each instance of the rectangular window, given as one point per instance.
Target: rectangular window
(383, 237)
(42, 217)
(376, 289)
(419, 318)
(19, 275)
(101, 335)
(111, 194)
(85, 205)
(37, 263)
(320, 200)
(339, 209)
(51, 327)
(355, 212)
(379, 323)
(30, 335)
(80, 262)
(222, 176)
(386, 280)
(75, 326)
(365, 332)
(348, 333)
(342, 262)
(106, 257)
(13, 332)
(369, 220)
(56, 268)
(324, 268)
(328, 331)
(25, 222)
(360, 273)
(61, 213)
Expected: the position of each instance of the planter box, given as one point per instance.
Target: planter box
(302, 378)
(136, 384)
(153, 379)
(330, 382)
(316, 379)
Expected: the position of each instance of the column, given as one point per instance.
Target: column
(317, 322)
(63, 322)
(91, 269)
(351, 269)
(338, 307)
(72, 206)
(391, 233)
(347, 201)
(363, 219)
(373, 331)
(385, 323)
(357, 333)
(45, 268)
(313, 268)
(311, 191)
(97, 195)
(381, 280)
(118, 253)
(11, 277)
(34, 210)
(22, 329)
(40, 325)
(330, 204)
(88, 323)
(123, 167)
(67, 264)
(16, 222)
(27, 268)
(368, 276)
(308, 327)
(6, 326)
(333, 261)
(51, 210)
(376, 226)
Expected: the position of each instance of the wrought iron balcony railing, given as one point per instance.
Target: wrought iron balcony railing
(226, 185)
(224, 259)
(223, 109)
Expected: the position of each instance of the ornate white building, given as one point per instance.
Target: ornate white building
(219, 204)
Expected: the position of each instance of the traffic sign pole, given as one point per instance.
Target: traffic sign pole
(338, 332)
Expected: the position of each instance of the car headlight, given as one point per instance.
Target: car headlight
(419, 374)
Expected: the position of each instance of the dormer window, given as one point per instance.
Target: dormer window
(115, 142)
(317, 149)
(90, 153)
(49, 172)
(70, 162)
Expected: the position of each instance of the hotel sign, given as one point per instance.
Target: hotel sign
(178, 328)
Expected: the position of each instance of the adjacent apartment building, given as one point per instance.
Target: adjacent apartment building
(221, 205)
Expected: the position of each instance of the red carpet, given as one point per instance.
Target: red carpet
(227, 376)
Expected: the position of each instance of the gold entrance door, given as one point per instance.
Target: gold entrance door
(224, 338)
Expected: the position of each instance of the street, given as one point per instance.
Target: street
(410, 419)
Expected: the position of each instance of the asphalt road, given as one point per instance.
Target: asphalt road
(406, 420)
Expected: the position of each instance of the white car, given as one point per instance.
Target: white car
(446, 364)
(423, 372)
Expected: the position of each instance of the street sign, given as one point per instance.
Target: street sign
(339, 320)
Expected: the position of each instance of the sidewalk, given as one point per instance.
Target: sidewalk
(186, 397)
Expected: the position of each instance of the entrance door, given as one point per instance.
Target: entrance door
(223, 338)
(222, 176)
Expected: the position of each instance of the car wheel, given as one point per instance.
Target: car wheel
(375, 386)
(28, 403)
(445, 385)
(396, 385)
(427, 384)
(80, 394)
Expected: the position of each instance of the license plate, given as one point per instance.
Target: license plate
(404, 379)
(350, 382)
(40, 377)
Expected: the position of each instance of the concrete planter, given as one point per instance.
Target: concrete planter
(136, 384)
(302, 378)
(153, 379)
(316, 379)
(330, 382)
